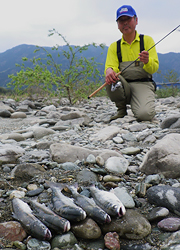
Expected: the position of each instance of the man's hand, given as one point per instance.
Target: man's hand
(144, 56)
(111, 76)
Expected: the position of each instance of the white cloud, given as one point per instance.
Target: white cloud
(84, 21)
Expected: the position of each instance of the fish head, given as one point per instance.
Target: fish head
(67, 226)
(108, 219)
(119, 210)
(48, 234)
(40, 231)
(83, 214)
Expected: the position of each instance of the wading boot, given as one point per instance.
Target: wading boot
(121, 112)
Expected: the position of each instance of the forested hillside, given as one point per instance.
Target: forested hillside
(11, 57)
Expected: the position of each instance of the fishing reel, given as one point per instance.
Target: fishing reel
(116, 86)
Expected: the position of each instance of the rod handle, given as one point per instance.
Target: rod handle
(101, 87)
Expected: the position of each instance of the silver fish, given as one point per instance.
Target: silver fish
(49, 218)
(32, 225)
(64, 206)
(108, 201)
(89, 206)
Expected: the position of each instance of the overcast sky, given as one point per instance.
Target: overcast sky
(85, 21)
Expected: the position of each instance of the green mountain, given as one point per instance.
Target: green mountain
(9, 58)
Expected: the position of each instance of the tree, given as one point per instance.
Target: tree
(47, 76)
(171, 76)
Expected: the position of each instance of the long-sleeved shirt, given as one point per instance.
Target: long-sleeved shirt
(130, 52)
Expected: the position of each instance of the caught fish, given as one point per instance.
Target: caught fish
(89, 206)
(64, 206)
(31, 224)
(49, 218)
(108, 201)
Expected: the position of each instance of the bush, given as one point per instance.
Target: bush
(167, 92)
(45, 76)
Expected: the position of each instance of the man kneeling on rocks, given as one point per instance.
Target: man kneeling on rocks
(135, 85)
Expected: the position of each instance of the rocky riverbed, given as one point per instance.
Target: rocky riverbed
(51, 140)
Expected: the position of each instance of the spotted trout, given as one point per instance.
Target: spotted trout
(32, 225)
(49, 218)
(108, 201)
(89, 206)
(63, 205)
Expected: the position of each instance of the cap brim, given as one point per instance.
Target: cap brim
(124, 15)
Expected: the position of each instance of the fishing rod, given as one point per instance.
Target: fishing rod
(102, 86)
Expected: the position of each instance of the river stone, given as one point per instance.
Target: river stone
(157, 213)
(12, 230)
(40, 132)
(91, 159)
(118, 139)
(130, 150)
(17, 194)
(38, 244)
(72, 115)
(6, 107)
(169, 224)
(95, 244)
(63, 241)
(116, 165)
(129, 137)
(106, 133)
(171, 122)
(132, 226)
(87, 177)
(165, 196)
(62, 152)
(86, 229)
(16, 137)
(5, 113)
(153, 179)
(49, 108)
(163, 159)
(69, 166)
(35, 155)
(124, 196)
(10, 153)
(144, 134)
(111, 241)
(19, 114)
(26, 171)
(137, 127)
(111, 178)
(23, 108)
(172, 242)
(100, 161)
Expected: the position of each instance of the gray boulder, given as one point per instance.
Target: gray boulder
(165, 196)
(62, 152)
(131, 226)
(164, 157)
(171, 122)
(10, 153)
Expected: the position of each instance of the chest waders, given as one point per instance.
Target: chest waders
(132, 79)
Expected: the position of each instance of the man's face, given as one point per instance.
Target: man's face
(127, 24)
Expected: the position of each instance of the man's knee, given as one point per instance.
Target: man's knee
(144, 114)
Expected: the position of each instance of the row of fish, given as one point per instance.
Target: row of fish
(37, 218)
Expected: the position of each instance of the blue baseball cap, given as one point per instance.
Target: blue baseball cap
(125, 10)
